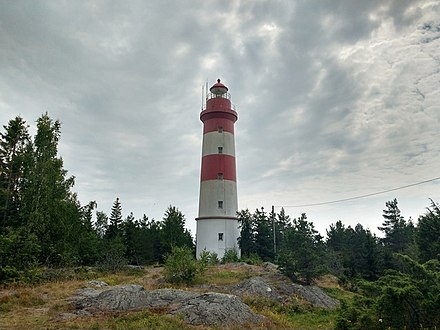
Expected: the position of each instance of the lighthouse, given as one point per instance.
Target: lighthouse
(217, 223)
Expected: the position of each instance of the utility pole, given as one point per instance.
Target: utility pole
(274, 232)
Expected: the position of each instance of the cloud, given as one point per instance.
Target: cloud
(334, 99)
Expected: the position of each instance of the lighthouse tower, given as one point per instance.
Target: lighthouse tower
(217, 224)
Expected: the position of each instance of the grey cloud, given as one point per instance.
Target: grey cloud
(324, 91)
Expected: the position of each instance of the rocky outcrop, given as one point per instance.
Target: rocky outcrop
(196, 308)
(281, 289)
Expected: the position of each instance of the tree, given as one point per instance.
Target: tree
(428, 233)
(151, 242)
(13, 144)
(356, 249)
(114, 228)
(282, 224)
(48, 207)
(246, 239)
(302, 254)
(263, 235)
(132, 239)
(101, 224)
(399, 234)
(406, 299)
(173, 231)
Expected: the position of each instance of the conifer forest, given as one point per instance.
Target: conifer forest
(396, 277)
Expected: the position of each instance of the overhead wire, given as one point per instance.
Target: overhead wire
(361, 196)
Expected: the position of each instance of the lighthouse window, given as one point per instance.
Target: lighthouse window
(219, 176)
(220, 150)
(220, 204)
(220, 236)
(220, 129)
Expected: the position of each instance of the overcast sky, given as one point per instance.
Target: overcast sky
(336, 99)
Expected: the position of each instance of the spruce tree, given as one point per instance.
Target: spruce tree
(115, 220)
(302, 254)
(428, 233)
(13, 144)
(399, 234)
(264, 244)
(246, 240)
(173, 231)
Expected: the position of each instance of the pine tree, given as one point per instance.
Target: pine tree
(302, 254)
(13, 144)
(246, 240)
(282, 224)
(173, 231)
(114, 228)
(263, 235)
(399, 234)
(428, 233)
(48, 208)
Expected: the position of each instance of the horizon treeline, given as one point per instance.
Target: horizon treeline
(43, 224)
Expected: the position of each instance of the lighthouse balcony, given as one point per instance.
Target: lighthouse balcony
(218, 99)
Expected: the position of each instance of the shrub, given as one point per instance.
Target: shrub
(180, 265)
(253, 259)
(231, 255)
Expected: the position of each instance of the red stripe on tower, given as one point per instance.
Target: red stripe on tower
(218, 167)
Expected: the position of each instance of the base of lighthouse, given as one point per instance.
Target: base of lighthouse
(217, 235)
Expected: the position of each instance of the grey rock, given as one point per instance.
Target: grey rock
(280, 288)
(196, 308)
(255, 286)
(97, 283)
(217, 309)
(310, 293)
(135, 267)
(119, 298)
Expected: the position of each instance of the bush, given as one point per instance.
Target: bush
(208, 258)
(231, 255)
(8, 273)
(113, 258)
(253, 259)
(180, 265)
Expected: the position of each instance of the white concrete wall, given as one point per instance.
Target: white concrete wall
(213, 140)
(207, 236)
(212, 191)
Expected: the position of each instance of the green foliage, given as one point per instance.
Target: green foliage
(264, 243)
(353, 253)
(231, 255)
(257, 233)
(253, 259)
(13, 145)
(208, 258)
(357, 315)
(428, 233)
(246, 239)
(113, 257)
(114, 227)
(302, 254)
(408, 299)
(180, 265)
(173, 231)
(399, 233)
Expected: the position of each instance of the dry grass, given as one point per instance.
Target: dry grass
(40, 306)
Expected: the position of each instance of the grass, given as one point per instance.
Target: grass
(39, 306)
(293, 315)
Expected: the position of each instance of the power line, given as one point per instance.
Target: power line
(363, 196)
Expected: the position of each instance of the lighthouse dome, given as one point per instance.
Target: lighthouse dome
(218, 88)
